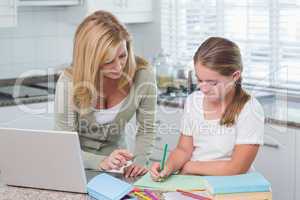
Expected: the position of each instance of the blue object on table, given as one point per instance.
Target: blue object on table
(106, 187)
(249, 182)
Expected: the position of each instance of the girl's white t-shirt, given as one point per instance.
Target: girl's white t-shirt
(215, 142)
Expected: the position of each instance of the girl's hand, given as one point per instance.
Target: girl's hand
(185, 170)
(158, 175)
(134, 170)
(117, 159)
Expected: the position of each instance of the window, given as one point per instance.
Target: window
(267, 31)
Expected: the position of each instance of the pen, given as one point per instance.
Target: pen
(192, 195)
(151, 194)
(162, 162)
(140, 195)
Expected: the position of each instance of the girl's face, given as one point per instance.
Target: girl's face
(113, 68)
(214, 86)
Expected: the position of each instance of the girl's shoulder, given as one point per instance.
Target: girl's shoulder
(194, 100)
(252, 107)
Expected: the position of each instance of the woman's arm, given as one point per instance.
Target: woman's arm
(145, 118)
(242, 158)
(65, 117)
(64, 114)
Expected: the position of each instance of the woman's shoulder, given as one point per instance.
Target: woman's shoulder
(65, 76)
(64, 82)
(145, 74)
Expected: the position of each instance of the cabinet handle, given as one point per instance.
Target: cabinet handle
(275, 146)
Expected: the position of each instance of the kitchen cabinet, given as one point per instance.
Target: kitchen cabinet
(128, 11)
(8, 13)
(297, 186)
(38, 116)
(167, 129)
(49, 2)
(276, 160)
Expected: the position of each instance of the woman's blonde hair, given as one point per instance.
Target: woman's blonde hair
(96, 41)
(223, 56)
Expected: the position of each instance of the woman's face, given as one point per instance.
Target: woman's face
(214, 86)
(113, 68)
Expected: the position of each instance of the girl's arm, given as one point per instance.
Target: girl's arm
(242, 158)
(177, 158)
(181, 154)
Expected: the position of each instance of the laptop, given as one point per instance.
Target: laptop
(44, 159)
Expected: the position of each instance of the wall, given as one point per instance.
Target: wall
(44, 37)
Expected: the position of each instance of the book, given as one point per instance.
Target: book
(250, 182)
(245, 196)
(106, 187)
(172, 183)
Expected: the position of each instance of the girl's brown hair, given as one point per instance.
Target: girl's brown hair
(96, 41)
(223, 56)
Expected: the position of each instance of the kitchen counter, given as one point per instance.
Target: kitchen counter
(21, 193)
(279, 110)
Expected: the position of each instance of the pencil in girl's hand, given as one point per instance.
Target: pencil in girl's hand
(163, 160)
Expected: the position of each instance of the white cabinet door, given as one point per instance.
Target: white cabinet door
(127, 11)
(39, 116)
(8, 13)
(297, 186)
(48, 2)
(276, 160)
(138, 5)
(167, 129)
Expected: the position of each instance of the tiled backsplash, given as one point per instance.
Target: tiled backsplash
(44, 39)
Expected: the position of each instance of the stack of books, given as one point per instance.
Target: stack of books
(250, 186)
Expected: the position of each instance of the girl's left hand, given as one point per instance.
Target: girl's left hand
(134, 170)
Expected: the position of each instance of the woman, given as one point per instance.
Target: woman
(222, 126)
(102, 90)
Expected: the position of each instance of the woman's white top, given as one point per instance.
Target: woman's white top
(215, 142)
(104, 116)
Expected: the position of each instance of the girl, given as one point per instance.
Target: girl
(102, 90)
(222, 126)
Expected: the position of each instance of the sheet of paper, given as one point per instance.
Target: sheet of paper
(172, 183)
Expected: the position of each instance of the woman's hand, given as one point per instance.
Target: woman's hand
(158, 175)
(134, 170)
(117, 159)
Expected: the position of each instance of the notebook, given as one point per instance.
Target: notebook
(183, 182)
(250, 182)
(245, 196)
(106, 187)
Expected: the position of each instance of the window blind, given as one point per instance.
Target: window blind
(267, 32)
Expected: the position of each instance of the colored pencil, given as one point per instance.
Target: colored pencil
(151, 194)
(192, 195)
(163, 160)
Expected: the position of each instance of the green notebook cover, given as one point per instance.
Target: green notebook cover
(183, 182)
